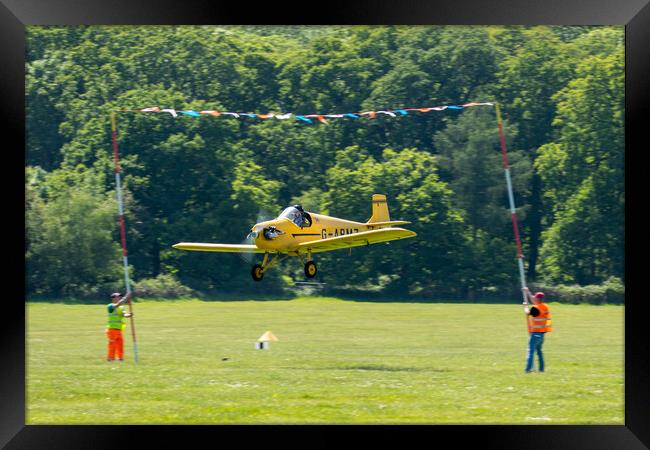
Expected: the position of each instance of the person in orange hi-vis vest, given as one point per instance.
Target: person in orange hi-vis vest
(539, 323)
(116, 324)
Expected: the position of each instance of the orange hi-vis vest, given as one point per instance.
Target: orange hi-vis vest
(541, 323)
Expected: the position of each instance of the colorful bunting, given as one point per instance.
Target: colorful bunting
(308, 117)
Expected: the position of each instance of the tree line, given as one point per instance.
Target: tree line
(206, 179)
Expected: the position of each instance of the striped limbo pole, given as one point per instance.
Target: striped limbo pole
(120, 206)
(513, 212)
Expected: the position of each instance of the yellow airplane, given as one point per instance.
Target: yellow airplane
(296, 232)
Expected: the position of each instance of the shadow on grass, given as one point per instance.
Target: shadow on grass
(361, 297)
(271, 298)
(298, 291)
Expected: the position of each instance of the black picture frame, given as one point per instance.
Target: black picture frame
(15, 15)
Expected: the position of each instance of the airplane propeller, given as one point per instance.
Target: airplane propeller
(248, 257)
(262, 216)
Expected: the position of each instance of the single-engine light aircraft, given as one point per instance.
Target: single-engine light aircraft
(296, 232)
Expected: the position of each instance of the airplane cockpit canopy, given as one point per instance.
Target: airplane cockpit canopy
(300, 218)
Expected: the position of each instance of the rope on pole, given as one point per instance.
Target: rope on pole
(511, 198)
(120, 206)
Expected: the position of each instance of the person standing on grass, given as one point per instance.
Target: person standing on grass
(539, 323)
(116, 324)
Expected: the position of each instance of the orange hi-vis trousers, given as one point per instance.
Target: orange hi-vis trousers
(115, 343)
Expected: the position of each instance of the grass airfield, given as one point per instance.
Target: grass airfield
(336, 362)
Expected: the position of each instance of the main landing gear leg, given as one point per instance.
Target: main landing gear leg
(257, 272)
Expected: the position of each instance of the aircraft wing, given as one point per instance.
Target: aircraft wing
(356, 239)
(230, 248)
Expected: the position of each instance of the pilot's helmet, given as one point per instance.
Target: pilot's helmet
(299, 208)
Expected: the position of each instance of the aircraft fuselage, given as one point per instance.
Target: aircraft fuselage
(290, 234)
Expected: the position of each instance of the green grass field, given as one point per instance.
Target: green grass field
(336, 362)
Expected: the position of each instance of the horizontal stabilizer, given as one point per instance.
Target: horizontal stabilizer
(228, 248)
(388, 223)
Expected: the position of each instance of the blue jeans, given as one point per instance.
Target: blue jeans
(535, 346)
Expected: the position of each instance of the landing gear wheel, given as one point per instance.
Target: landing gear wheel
(257, 273)
(310, 269)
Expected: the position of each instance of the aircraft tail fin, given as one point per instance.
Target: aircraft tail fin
(379, 209)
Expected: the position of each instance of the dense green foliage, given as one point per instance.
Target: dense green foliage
(561, 91)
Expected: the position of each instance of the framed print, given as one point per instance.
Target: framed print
(282, 66)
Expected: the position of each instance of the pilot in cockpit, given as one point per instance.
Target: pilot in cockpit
(300, 218)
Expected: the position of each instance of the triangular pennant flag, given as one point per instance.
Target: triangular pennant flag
(190, 113)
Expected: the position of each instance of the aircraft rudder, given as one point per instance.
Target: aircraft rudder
(379, 209)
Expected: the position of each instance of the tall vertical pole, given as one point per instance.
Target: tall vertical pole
(513, 212)
(120, 206)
